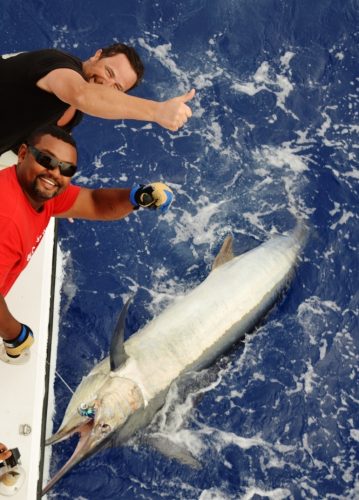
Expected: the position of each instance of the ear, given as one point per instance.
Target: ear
(22, 152)
(97, 55)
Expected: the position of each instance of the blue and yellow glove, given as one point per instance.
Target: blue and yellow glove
(24, 340)
(154, 195)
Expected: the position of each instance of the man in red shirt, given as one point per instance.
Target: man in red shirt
(38, 188)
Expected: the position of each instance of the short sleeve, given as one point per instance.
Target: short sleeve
(65, 200)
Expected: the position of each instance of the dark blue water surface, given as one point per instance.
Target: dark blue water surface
(274, 135)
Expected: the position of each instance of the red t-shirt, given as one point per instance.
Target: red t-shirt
(21, 227)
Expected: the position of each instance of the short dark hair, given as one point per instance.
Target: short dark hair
(131, 54)
(53, 130)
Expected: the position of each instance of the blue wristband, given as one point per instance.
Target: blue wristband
(22, 335)
(23, 341)
(133, 192)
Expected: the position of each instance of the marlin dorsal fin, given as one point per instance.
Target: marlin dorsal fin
(225, 254)
(117, 350)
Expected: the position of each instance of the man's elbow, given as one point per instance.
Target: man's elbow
(79, 97)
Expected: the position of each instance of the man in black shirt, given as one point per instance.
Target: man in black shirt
(52, 87)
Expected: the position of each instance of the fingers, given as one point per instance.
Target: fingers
(156, 195)
(187, 112)
(4, 452)
(164, 198)
(189, 95)
(184, 112)
(174, 113)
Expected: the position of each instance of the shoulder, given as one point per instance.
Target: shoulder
(57, 55)
(10, 196)
(10, 190)
(40, 62)
(54, 59)
(8, 182)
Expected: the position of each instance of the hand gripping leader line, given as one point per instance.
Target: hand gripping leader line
(23, 341)
(153, 196)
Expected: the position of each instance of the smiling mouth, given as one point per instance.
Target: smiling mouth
(49, 183)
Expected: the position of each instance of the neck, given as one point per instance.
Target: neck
(36, 205)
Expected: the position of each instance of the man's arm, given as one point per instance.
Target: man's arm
(106, 102)
(100, 204)
(17, 337)
(9, 326)
(116, 203)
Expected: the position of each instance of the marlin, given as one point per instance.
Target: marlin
(122, 394)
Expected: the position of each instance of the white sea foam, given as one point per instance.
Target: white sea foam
(163, 53)
(345, 216)
(69, 287)
(274, 494)
(309, 378)
(292, 163)
(222, 439)
(214, 494)
(286, 58)
(314, 315)
(354, 434)
(213, 134)
(284, 155)
(163, 292)
(266, 79)
(205, 80)
(198, 227)
(309, 491)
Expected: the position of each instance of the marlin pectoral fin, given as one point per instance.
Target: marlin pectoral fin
(225, 254)
(117, 350)
(172, 450)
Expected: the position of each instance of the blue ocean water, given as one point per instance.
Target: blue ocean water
(274, 136)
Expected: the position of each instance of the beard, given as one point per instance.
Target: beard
(40, 192)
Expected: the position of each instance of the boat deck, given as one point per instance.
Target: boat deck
(24, 387)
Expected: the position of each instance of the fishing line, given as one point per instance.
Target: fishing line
(62, 379)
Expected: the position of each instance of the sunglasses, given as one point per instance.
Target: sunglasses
(49, 162)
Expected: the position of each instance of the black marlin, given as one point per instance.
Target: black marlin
(123, 392)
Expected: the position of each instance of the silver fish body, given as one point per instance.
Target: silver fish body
(189, 335)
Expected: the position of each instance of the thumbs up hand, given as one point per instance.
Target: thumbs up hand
(174, 113)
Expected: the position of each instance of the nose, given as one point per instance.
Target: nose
(54, 173)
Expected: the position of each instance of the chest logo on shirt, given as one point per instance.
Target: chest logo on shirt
(37, 241)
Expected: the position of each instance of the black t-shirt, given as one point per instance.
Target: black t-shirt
(24, 106)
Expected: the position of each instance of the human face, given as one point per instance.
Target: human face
(38, 183)
(115, 71)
